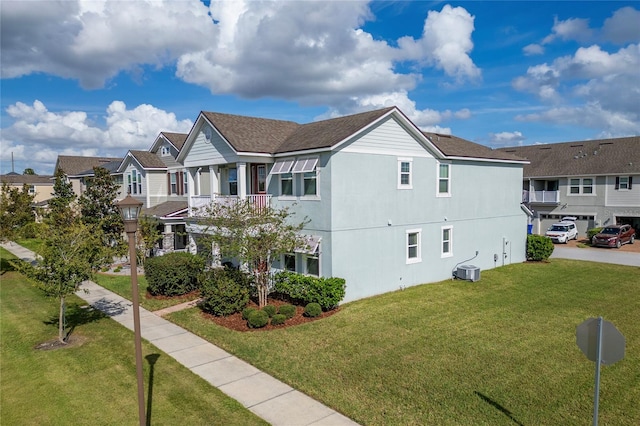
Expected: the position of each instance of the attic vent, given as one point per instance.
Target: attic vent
(545, 147)
(510, 150)
(606, 143)
(574, 146)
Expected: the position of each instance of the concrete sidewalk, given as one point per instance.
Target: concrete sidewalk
(274, 401)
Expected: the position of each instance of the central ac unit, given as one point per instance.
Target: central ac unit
(468, 272)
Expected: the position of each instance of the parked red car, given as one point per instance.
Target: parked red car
(614, 236)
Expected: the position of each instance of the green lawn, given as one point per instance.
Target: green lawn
(121, 284)
(498, 351)
(93, 383)
(33, 244)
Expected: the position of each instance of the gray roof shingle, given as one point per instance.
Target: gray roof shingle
(148, 160)
(16, 179)
(177, 139)
(581, 158)
(166, 208)
(453, 146)
(73, 165)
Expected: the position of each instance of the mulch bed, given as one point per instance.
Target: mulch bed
(235, 321)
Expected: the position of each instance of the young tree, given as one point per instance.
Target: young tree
(98, 210)
(29, 171)
(68, 257)
(16, 210)
(148, 236)
(61, 205)
(256, 236)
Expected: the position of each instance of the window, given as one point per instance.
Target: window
(185, 189)
(289, 262)
(32, 189)
(624, 182)
(286, 184)
(579, 186)
(404, 173)
(165, 151)
(134, 182)
(310, 183)
(443, 179)
(312, 263)
(447, 241)
(233, 181)
(413, 246)
(174, 183)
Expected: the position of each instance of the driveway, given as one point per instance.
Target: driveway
(628, 254)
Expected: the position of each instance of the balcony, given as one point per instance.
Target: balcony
(541, 197)
(197, 202)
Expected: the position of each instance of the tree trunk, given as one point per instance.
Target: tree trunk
(61, 321)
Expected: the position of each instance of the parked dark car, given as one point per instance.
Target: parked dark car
(614, 236)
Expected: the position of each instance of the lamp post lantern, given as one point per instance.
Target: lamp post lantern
(130, 210)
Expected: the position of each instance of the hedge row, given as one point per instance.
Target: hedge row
(304, 289)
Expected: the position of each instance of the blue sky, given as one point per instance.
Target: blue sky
(101, 77)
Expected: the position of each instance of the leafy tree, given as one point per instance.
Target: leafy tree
(29, 171)
(98, 210)
(256, 236)
(67, 258)
(61, 205)
(148, 236)
(16, 210)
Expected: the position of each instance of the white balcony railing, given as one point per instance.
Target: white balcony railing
(543, 197)
(200, 201)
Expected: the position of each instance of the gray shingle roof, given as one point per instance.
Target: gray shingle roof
(177, 139)
(148, 160)
(28, 179)
(327, 133)
(581, 158)
(73, 164)
(166, 208)
(251, 134)
(453, 146)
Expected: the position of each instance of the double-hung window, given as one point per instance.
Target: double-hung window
(289, 262)
(282, 168)
(444, 180)
(309, 183)
(405, 166)
(134, 182)
(624, 182)
(578, 186)
(286, 184)
(185, 186)
(312, 262)
(174, 182)
(233, 181)
(413, 243)
(447, 241)
(306, 167)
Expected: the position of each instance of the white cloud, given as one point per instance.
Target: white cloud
(38, 135)
(446, 42)
(623, 26)
(533, 49)
(571, 29)
(311, 52)
(506, 139)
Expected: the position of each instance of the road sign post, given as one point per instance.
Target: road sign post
(602, 343)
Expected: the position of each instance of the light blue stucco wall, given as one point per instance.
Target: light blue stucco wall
(363, 217)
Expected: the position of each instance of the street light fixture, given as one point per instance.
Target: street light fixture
(130, 210)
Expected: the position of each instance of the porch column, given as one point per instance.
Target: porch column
(214, 180)
(242, 180)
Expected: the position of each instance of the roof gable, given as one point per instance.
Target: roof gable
(145, 159)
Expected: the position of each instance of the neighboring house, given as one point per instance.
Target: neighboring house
(41, 187)
(156, 179)
(597, 181)
(77, 168)
(389, 206)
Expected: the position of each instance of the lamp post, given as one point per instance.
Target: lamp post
(130, 210)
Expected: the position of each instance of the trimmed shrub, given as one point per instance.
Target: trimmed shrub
(278, 319)
(288, 311)
(173, 274)
(303, 289)
(539, 247)
(32, 230)
(592, 232)
(221, 294)
(246, 312)
(258, 319)
(312, 310)
(270, 310)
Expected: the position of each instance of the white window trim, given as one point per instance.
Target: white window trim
(438, 193)
(417, 259)
(400, 184)
(581, 186)
(450, 252)
(305, 256)
(291, 196)
(315, 196)
(620, 188)
(165, 151)
(283, 263)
